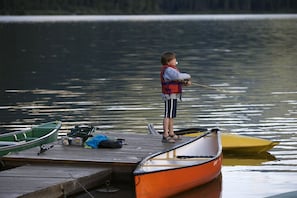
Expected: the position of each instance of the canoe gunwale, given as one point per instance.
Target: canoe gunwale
(57, 126)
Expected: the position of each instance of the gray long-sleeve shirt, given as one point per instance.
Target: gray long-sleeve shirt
(173, 74)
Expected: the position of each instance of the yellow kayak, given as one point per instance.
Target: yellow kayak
(233, 143)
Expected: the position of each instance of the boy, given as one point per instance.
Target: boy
(172, 81)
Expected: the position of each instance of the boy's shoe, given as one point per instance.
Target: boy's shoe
(176, 137)
(168, 139)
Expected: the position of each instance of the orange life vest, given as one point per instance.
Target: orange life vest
(170, 87)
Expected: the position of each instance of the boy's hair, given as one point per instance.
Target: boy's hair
(166, 57)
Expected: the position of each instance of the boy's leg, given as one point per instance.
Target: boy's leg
(171, 121)
(166, 137)
(165, 127)
(170, 126)
(172, 115)
(166, 119)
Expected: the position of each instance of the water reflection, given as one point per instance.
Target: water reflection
(212, 189)
(247, 159)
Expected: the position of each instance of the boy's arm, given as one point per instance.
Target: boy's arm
(172, 74)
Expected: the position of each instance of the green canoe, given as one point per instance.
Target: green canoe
(36, 136)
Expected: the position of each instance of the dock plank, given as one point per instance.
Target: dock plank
(52, 181)
(138, 146)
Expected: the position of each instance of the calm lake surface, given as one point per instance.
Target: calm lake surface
(104, 71)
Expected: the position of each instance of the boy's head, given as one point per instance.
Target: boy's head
(167, 57)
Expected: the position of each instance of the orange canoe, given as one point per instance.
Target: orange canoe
(180, 168)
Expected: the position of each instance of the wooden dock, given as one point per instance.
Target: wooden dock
(120, 162)
(50, 181)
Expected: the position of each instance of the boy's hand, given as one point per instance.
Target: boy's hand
(187, 82)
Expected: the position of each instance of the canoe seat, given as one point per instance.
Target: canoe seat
(191, 157)
(178, 161)
(23, 138)
(30, 138)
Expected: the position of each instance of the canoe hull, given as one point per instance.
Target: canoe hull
(171, 182)
(166, 174)
(36, 136)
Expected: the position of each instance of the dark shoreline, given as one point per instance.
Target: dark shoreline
(126, 7)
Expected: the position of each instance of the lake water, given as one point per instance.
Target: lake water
(104, 71)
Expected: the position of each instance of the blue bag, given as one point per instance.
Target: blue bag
(96, 140)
